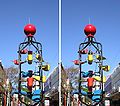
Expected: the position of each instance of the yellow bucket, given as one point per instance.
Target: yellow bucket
(38, 57)
(98, 78)
(90, 58)
(38, 78)
(44, 79)
(46, 67)
(106, 68)
(29, 58)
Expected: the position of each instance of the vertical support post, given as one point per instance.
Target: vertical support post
(60, 30)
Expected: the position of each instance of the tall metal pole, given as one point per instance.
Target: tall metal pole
(60, 60)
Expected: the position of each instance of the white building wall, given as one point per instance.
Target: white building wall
(116, 79)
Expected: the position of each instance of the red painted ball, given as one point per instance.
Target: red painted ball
(29, 30)
(90, 30)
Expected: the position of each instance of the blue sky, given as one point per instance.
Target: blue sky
(104, 14)
(14, 16)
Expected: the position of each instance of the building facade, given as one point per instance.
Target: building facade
(112, 87)
(52, 84)
(115, 94)
(51, 87)
(108, 87)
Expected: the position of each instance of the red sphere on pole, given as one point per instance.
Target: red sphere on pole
(90, 30)
(29, 30)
